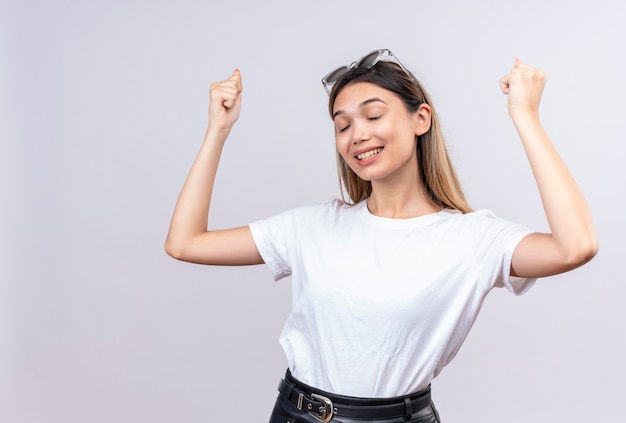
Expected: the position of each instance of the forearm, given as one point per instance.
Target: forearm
(564, 205)
(191, 212)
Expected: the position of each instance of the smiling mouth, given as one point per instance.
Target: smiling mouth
(369, 154)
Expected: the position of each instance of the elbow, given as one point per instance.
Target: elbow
(590, 248)
(583, 252)
(173, 249)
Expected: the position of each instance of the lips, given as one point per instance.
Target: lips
(368, 154)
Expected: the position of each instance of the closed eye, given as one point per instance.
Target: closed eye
(343, 129)
(374, 117)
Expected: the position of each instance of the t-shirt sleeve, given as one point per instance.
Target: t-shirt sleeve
(514, 284)
(277, 238)
(503, 237)
(267, 234)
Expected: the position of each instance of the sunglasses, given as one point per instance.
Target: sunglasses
(366, 61)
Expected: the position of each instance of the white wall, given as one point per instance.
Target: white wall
(103, 107)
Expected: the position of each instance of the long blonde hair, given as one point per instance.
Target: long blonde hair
(435, 167)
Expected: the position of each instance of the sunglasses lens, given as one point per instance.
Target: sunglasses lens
(366, 61)
(335, 75)
(369, 60)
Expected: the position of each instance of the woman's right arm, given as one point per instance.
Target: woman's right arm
(188, 238)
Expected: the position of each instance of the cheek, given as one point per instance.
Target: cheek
(342, 144)
(343, 150)
(393, 128)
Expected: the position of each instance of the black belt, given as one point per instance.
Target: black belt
(323, 406)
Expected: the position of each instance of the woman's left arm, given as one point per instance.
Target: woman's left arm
(572, 241)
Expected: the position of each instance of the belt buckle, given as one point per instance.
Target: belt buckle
(326, 411)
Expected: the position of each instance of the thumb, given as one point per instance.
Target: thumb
(236, 75)
(504, 84)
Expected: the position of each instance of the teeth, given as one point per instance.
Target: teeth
(369, 154)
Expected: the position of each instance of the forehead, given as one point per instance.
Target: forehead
(354, 95)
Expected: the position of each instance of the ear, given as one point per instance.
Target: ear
(421, 119)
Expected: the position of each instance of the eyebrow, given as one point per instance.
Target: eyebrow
(363, 104)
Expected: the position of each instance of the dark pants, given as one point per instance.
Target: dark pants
(300, 403)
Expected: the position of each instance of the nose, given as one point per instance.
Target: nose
(360, 133)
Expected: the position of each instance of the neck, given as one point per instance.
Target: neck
(400, 201)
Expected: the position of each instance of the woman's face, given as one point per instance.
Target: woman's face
(375, 134)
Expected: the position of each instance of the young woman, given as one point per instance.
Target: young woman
(388, 282)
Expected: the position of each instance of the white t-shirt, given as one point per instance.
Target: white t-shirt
(381, 305)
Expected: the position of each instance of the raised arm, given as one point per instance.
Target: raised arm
(188, 238)
(572, 241)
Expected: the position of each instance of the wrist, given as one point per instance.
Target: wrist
(217, 133)
(525, 117)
